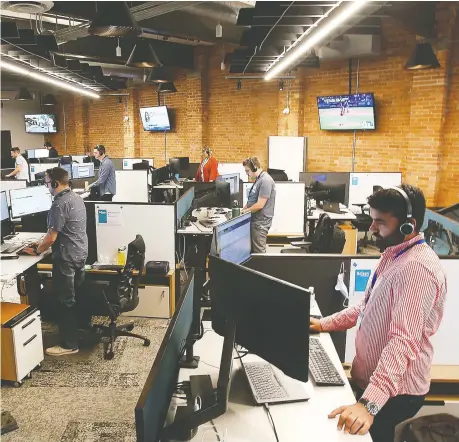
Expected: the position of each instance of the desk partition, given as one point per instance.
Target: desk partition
(361, 184)
(118, 224)
(131, 186)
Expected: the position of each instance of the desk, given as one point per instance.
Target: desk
(301, 421)
(347, 216)
(82, 192)
(201, 214)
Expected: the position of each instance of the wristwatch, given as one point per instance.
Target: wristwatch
(35, 250)
(371, 407)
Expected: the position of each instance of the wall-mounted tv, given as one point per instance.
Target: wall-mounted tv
(40, 124)
(347, 112)
(155, 119)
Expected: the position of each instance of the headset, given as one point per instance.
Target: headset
(101, 149)
(54, 183)
(406, 228)
(252, 166)
(207, 150)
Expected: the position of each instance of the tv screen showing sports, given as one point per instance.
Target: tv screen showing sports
(347, 112)
(40, 124)
(155, 119)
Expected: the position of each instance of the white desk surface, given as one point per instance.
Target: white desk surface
(10, 268)
(244, 421)
(348, 216)
(198, 229)
(170, 185)
(82, 192)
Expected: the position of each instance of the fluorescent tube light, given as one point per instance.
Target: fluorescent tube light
(316, 37)
(12, 67)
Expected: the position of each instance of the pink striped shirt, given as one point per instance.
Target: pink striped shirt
(404, 309)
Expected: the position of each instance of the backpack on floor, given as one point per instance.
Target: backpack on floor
(433, 428)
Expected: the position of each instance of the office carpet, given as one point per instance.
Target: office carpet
(82, 397)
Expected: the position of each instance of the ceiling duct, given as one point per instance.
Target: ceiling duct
(351, 46)
(114, 19)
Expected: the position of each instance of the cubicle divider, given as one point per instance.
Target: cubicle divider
(116, 225)
(183, 205)
(227, 168)
(35, 168)
(132, 186)
(321, 272)
(288, 210)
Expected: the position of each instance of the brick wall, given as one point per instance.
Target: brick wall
(417, 115)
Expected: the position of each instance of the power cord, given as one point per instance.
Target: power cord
(268, 411)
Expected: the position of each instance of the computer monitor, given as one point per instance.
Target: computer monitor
(329, 192)
(278, 174)
(232, 239)
(191, 171)
(65, 159)
(7, 185)
(4, 212)
(222, 194)
(85, 170)
(68, 169)
(184, 205)
(37, 153)
(129, 162)
(49, 161)
(216, 194)
(233, 179)
(30, 201)
(184, 163)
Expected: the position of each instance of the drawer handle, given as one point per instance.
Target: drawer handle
(30, 322)
(162, 294)
(29, 340)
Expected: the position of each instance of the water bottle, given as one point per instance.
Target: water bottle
(121, 256)
(236, 211)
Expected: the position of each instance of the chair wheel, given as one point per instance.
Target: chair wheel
(146, 343)
(109, 355)
(17, 384)
(130, 327)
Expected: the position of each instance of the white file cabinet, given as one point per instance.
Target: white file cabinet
(154, 302)
(22, 342)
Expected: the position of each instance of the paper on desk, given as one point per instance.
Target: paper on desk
(110, 217)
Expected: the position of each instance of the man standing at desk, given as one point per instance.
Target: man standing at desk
(401, 311)
(21, 169)
(67, 236)
(260, 202)
(51, 150)
(107, 177)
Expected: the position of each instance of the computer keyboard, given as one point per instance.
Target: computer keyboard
(321, 367)
(11, 248)
(263, 381)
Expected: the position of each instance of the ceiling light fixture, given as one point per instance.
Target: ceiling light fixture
(23, 94)
(143, 56)
(315, 38)
(114, 19)
(44, 78)
(423, 58)
(159, 74)
(49, 100)
(167, 87)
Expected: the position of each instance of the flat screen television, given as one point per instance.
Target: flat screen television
(155, 119)
(347, 112)
(40, 124)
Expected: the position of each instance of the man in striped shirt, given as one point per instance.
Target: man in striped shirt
(401, 311)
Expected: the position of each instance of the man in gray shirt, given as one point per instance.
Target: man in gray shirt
(67, 237)
(260, 202)
(107, 177)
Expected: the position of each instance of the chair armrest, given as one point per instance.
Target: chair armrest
(302, 244)
(295, 238)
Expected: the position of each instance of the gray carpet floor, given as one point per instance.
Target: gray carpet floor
(82, 397)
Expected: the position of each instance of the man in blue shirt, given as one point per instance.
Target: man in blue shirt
(107, 177)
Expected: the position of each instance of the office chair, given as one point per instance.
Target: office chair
(121, 296)
(327, 238)
(144, 165)
(362, 223)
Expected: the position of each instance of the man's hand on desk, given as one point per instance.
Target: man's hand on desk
(354, 419)
(314, 325)
(30, 251)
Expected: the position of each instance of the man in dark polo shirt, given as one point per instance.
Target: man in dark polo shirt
(260, 202)
(67, 237)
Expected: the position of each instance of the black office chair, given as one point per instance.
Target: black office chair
(144, 165)
(362, 223)
(121, 296)
(327, 238)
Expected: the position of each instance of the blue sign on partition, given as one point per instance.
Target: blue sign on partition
(355, 181)
(361, 280)
(102, 216)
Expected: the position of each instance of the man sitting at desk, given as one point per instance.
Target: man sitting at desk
(401, 311)
(107, 176)
(67, 236)
(260, 202)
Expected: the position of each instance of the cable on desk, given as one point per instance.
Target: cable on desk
(268, 411)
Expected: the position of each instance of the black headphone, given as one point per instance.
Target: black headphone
(252, 166)
(207, 150)
(406, 228)
(54, 183)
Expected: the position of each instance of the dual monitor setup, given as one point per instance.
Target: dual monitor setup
(245, 305)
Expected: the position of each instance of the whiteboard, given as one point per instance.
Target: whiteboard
(7, 185)
(361, 184)
(155, 223)
(288, 154)
(288, 210)
(228, 168)
(131, 186)
(448, 332)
